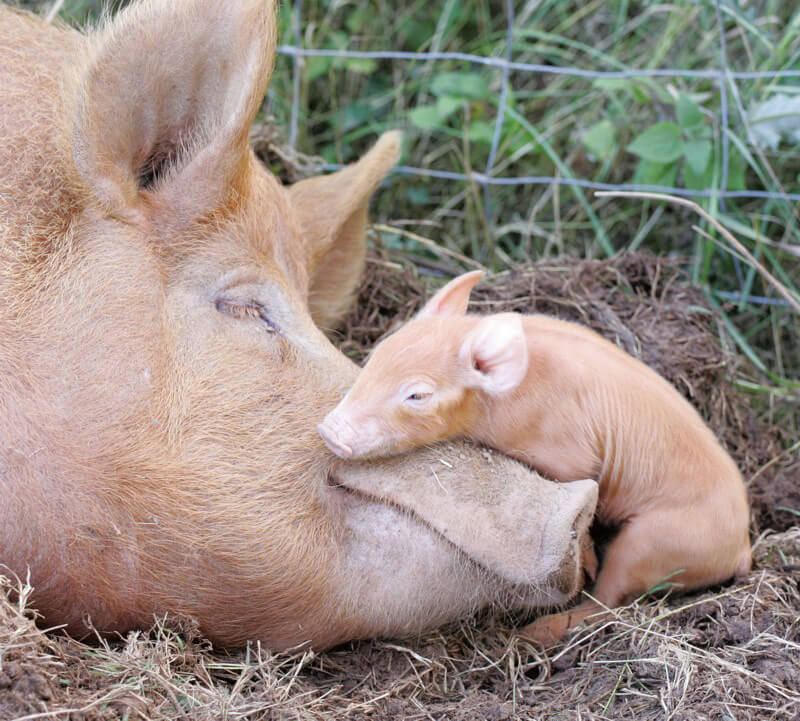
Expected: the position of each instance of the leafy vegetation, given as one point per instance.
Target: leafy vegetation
(692, 133)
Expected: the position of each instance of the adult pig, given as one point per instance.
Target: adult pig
(162, 370)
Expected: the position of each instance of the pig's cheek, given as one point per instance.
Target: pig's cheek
(375, 434)
(440, 423)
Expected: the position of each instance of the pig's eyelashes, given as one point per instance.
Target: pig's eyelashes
(416, 394)
(416, 397)
(266, 320)
(244, 311)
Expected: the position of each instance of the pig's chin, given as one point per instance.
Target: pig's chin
(371, 450)
(390, 444)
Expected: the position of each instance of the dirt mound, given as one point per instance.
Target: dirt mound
(730, 652)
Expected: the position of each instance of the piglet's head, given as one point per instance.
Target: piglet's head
(425, 382)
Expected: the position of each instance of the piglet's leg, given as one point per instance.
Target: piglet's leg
(676, 546)
(553, 627)
(589, 558)
(549, 630)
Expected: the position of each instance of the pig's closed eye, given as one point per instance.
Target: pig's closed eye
(247, 310)
(416, 397)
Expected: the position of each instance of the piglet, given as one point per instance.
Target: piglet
(570, 404)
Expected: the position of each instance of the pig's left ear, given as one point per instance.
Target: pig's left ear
(453, 298)
(164, 104)
(495, 354)
(332, 210)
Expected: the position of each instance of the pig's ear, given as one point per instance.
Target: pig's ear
(495, 354)
(332, 210)
(166, 100)
(453, 298)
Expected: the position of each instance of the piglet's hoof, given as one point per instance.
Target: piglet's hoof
(547, 630)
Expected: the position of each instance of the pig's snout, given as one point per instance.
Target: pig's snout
(336, 433)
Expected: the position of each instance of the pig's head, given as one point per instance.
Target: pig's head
(206, 253)
(424, 383)
(162, 367)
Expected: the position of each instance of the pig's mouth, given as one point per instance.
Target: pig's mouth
(506, 519)
(332, 480)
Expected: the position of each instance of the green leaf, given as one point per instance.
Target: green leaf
(359, 19)
(697, 154)
(340, 39)
(688, 112)
(599, 139)
(481, 132)
(698, 181)
(698, 132)
(363, 66)
(425, 117)
(639, 91)
(418, 195)
(612, 83)
(660, 143)
(649, 173)
(413, 32)
(317, 66)
(447, 105)
(353, 115)
(464, 85)
(640, 94)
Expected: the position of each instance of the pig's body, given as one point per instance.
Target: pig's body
(161, 368)
(579, 407)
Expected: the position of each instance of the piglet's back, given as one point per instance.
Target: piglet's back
(645, 428)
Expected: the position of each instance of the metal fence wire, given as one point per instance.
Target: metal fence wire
(724, 78)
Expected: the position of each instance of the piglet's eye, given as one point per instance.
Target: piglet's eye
(417, 397)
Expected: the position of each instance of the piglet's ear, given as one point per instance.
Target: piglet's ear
(453, 298)
(495, 353)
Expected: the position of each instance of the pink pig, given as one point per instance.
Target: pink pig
(569, 403)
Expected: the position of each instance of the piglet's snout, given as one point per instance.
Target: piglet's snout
(336, 434)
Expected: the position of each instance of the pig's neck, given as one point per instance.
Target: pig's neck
(545, 422)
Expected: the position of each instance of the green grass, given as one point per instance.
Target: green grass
(567, 127)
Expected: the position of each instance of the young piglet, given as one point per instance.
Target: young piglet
(572, 405)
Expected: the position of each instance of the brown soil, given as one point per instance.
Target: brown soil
(732, 652)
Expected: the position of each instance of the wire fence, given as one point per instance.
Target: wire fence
(722, 76)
